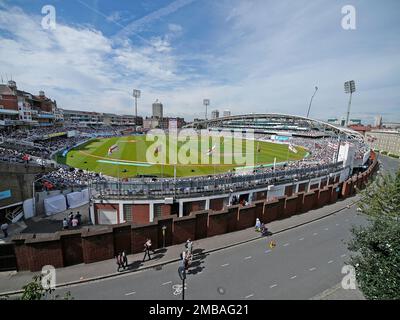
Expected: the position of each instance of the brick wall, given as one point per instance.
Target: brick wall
(122, 238)
(98, 245)
(71, 242)
(201, 223)
(247, 217)
(184, 228)
(141, 233)
(217, 223)
(140, 213)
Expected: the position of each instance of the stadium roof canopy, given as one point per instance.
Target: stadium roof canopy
(274, 122)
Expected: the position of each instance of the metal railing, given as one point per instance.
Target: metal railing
(186, 187)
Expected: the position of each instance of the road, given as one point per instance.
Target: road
(306, 261)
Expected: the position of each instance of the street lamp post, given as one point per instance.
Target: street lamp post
(136, 94)
(163, 235)
(309, 106)
(349, 87)
(182, 275)
(34, 196)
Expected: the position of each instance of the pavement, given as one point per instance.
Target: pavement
(306, 263)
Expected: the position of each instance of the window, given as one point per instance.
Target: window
(128, 212)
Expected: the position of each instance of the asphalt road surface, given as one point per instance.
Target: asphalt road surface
(306, 261)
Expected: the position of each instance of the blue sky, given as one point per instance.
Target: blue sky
(246, 56)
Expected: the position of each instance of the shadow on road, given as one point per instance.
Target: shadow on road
(197, 263)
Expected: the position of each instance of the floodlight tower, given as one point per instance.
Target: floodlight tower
(136, 95)
(309, 106)
(206, 102)
(349, 87)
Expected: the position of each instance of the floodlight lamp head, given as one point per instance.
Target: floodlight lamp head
(136, 93)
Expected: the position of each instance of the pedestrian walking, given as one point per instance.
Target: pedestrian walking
(147, 248)
(119, 261)
(189, 246)
(258, 224)
(4, 228)
(124, 260)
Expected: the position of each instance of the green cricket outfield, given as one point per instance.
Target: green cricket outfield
(130, 157)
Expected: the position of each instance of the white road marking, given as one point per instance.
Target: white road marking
(273, 285)
(225, 265)
(267, 251)
(301, 239)
(315, 233)
(130, 293)
(326, 229)
(312, 269)
(286, 244)
(249, 257)
(293, 277)
(343, 255)
(337, 224)
(249, 296)
(166, 283)
(330, 261)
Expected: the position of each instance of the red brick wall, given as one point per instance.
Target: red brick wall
(72, 247)
(309, 201)
(184, 229)
(217, 204)
(271, 210)
(260, 195)
(165, 210)
(288, 191)
(193, 206)
(247, 217)
(122, 238)
(281, 207)
(302, 186)
(232, 217)
(300, 199)
(98, 245)
(9, 102)
(290, 206)
(140, 213)
(42, 252)
(217, 223)
(201, 223)
(140, 234)
(323, 197)
(334, 193)
(259, 209)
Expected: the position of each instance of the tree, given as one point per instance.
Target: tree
(377, 245)
(34, 290)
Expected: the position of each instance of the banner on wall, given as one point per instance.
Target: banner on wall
(55, 205)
